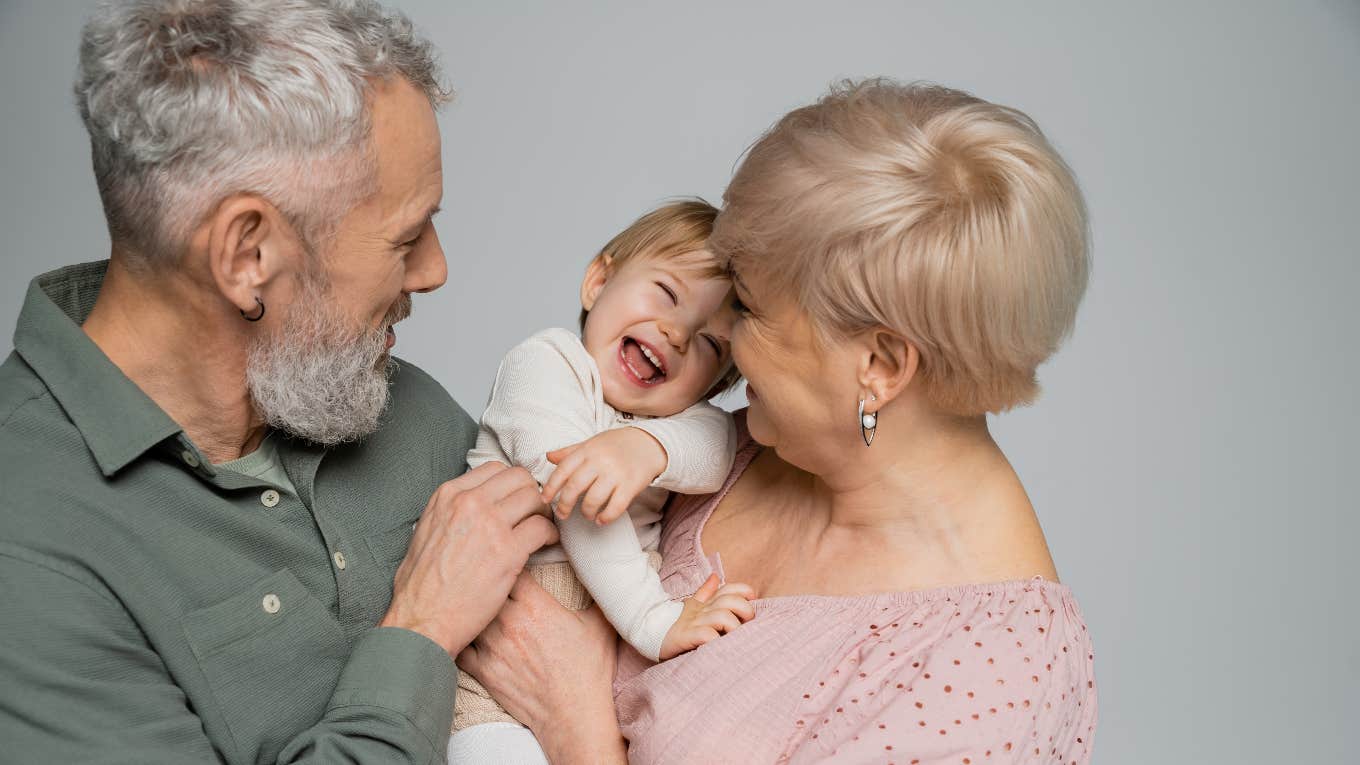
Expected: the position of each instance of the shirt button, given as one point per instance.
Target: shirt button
(339, 560)
(189, 458)
(271, 603)
(269, 498)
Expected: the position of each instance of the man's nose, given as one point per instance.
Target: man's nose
(426, 267)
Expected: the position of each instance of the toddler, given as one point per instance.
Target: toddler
(609, 423)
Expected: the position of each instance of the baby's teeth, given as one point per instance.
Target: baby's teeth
(651, 357)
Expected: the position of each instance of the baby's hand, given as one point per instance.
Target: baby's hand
(605, 473)
(710, 612)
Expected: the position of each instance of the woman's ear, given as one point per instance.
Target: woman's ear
(249, 245)
(888, 365)
(597, 273)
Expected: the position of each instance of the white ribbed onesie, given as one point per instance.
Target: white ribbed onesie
(548, 395)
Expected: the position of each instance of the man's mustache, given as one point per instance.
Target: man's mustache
(399, 311)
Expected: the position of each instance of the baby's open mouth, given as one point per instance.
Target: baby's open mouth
(642, 362)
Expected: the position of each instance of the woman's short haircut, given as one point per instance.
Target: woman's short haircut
(675, 229)
(925, 210)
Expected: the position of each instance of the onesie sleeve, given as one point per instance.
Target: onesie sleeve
(541, 401)
(700, 444)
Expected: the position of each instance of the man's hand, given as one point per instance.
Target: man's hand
(470, 544)
(605, 473)
(708, 613)
(553, 670)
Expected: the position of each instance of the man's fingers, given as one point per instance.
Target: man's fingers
(534, 532)
(527, 590)
(507, 482)
(477, 476)
(520, 504)
(707, 590)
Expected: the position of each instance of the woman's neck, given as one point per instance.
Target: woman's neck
(939, 495)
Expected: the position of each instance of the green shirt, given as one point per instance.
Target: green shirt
(155, 609)
(264, 464)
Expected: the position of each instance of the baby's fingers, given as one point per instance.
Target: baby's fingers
(618, 505)
(576, 487)
(720, 620)
(737, 588)
(564, 471)
(599, 494)
(736, 604)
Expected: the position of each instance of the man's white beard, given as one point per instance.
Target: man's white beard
(320, 377)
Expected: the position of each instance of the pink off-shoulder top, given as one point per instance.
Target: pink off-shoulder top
(984, 673)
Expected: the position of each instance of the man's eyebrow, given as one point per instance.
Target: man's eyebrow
(410, 232)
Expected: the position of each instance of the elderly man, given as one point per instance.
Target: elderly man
(212, 467)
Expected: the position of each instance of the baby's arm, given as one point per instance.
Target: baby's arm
(690, 452)
(539, 403)
(610, 562)
(700, 444)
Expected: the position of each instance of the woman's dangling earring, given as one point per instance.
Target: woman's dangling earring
(868, 423)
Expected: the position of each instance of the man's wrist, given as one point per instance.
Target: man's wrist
(585, 739)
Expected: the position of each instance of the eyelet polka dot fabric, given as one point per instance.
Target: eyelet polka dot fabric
(987, 673)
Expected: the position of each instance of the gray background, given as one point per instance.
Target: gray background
(1191, 457)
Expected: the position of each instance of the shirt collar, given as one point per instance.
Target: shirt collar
(118, 421)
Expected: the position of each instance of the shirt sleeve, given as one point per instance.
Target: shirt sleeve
(82, 684)
(700, 444)
(541, 401)
(610, 562)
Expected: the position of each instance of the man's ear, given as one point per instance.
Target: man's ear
(249, 245)
(888, 364)
(597, 273)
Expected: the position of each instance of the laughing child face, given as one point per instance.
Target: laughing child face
(659, 329)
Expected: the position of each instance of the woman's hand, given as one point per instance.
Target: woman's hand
(553, 670)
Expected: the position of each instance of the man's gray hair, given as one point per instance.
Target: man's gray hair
(188, 101)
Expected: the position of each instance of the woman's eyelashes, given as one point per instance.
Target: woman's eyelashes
(714, 344)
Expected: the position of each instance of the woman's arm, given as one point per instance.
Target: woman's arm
(553, 670)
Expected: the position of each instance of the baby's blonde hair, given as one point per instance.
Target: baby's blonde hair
(924, 210)
(679, 227)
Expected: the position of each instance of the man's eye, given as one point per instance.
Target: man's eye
(740, 308)
(669, 293)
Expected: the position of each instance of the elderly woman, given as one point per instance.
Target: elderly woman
(906, 256)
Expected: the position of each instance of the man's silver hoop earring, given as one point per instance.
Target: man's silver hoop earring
(868, 423)
(257, 316)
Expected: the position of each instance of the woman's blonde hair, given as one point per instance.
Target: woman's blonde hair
(676, 228)
(924, 210)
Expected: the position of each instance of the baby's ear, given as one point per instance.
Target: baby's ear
(597, 273)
